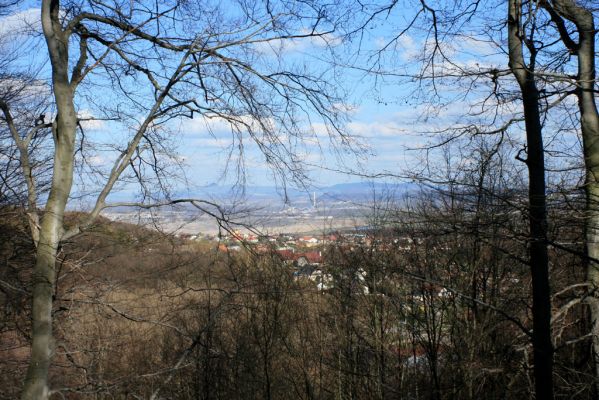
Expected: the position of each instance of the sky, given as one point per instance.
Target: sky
(384, 114)
(389, 113)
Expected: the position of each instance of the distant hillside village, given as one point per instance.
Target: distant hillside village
(304, 254)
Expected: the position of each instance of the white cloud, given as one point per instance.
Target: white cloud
(97, 161)
(278, 47)
(211, 142)
(406, 45)
(24, 88)
(21, 23)
(202, 125)
(218, 126)
(89, 121)
(376, 128)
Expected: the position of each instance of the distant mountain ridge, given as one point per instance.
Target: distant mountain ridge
(339, 191)
(359, 192)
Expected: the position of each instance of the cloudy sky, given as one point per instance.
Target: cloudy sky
(390, 114)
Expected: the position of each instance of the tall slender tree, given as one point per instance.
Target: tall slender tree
(167, 60)
(524, 72)
(579, 40)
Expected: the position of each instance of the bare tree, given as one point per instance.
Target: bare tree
(165, 61)
(563, 13)
(540, 39)
(520, 37)
(24, 104)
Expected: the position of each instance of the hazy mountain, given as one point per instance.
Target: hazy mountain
(355, 191)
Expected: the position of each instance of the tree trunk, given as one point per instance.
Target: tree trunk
(64, 130)
(590, 137)
(589, 122)
(539, 261)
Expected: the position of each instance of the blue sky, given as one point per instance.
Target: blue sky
(383, 114)
(389, 113)
(384, 128)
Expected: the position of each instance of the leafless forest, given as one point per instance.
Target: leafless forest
(480, 282)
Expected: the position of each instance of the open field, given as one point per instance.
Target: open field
(186, 223)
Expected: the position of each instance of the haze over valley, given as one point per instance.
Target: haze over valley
(336, 207)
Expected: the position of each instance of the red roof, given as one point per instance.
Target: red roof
(287, 255)
(314, 257)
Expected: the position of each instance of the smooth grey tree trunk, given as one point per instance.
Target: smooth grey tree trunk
(582, 18)
(537, 241)
(589, 123)
(51, 229)
(590, 136)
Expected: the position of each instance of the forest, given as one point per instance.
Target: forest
(479, 282)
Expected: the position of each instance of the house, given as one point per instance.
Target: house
(313, 257)
(309, 240)
(312, 273)
(308, 258)
(323, 280)
(287, 255)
